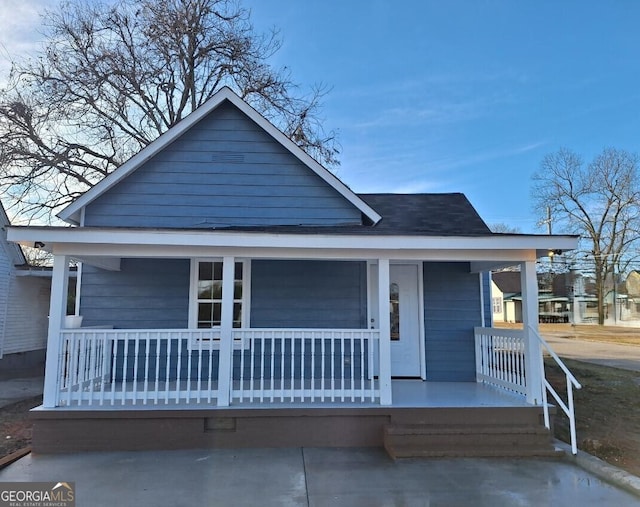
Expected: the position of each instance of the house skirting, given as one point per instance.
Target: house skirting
(475, 431)
(22, 363)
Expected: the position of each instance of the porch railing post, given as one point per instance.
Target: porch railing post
(57, 313)
(225, 368)
(533, 352)
(384, 320)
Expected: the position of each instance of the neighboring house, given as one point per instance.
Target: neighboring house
(506, 296)
(24, 306)
(236, 293)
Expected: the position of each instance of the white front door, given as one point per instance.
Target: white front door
(404, 306)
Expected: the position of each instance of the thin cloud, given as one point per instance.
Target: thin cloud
(19, 29)
(485, 156)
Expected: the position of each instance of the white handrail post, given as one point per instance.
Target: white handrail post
(533, 352)
(545, 405)
(225, 362)
(57, 313)
(384, 321)
(478, 352)
(572, 417)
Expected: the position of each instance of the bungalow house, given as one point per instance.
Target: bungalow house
(506, 300)
(24, 306)
(236, 293)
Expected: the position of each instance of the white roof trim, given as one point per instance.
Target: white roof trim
(113, 240)
(71, 213)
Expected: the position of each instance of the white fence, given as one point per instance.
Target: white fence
(131, 367)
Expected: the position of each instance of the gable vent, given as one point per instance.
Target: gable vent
(227, 157)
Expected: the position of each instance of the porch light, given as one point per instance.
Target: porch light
(38, 244)
(554, 252)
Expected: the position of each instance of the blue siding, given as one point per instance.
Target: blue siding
(452, 309)
(312, 294)
(146, 293)
(486, 294)
(225, 171)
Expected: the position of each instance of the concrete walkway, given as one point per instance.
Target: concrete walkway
(315, 477)
(606, 354)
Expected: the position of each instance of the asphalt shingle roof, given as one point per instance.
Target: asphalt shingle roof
(507, 281)
(403, 214)
(429, 214)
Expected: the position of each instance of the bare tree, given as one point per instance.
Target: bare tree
(599, 201)
(113, 77)
(502, 228)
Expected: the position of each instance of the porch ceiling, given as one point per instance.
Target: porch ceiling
(484, 252)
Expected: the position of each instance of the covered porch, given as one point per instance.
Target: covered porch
(233, 359)
(235, 366)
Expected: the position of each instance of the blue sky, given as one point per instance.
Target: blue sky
(455, 96)
(465, 96)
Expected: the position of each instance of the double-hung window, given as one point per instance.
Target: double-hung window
(206, 294)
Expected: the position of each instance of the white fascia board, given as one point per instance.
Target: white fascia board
(72, 213)
(124, 239)
(487, 257)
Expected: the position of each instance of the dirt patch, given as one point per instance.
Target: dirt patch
(607, 412)
(15, 425)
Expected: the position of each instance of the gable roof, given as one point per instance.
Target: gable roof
(14, 250)
(508, 281)
(72, 213)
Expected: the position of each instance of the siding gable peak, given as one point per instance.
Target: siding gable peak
(13, 250)
(75, 210)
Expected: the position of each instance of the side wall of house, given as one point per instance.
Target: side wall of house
(225, 171)
(6, 277)
(308, 294)
(452, 309)
(27, 311)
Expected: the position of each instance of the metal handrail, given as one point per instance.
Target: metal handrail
(568, 408)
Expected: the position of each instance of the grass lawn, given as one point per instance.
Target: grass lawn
(607, 412)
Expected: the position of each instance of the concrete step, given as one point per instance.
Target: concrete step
(421, 440)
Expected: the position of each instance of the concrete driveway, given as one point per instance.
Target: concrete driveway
(603, 353)
(315, 477)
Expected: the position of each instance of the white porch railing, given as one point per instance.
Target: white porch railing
(568, 407)
(112, 366)
(500, 361)
(500, 358)
(172, 366)
(305, 365)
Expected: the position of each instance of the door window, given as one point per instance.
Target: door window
(394, 310)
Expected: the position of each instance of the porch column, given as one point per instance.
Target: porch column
(57, 313)
(384, 324)
(225, 369)
(533, 351)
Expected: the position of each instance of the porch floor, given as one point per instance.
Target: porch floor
(407, 393)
